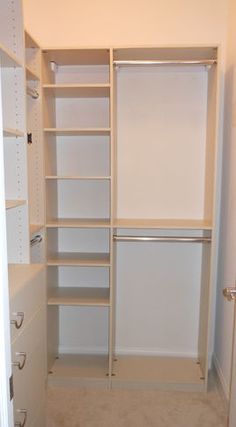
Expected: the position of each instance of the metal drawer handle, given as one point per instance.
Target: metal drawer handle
(22, 364)
(230, 293)
(18, 423)
(21, 315)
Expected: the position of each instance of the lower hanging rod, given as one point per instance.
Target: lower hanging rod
(206, 62)
(182, 239)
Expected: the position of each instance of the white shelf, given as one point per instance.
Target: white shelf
(9, 59)
(78, 90)
(72, 296)
(78, 223)
(77, 131)
(68, 56)
(181, 224)
(76, 177)
(8, 132)
(157, 372)
(30, 74)
(79, 369)
(80, 259)
(11, 204)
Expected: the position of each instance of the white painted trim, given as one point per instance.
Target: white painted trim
(6, 407)
(220, 379)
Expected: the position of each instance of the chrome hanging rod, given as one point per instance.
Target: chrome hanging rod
(36, 240)
(207, 62)
(32, 92)
(182, 239)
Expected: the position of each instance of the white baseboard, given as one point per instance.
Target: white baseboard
(83, 350)
(139, 351)
(220, 379)
(124, 351)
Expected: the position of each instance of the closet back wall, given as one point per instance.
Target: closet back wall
(61, 23)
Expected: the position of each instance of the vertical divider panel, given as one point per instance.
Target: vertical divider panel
(35, 149)
(51, 209)
(204, 310)
(208, 278)
(112, 196)
(113, 204)
(214, 122)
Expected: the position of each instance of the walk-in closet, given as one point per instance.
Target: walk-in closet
(112, 172)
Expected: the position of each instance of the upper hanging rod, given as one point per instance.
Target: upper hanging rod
(165, 62)
(32, 92)
(118, 238)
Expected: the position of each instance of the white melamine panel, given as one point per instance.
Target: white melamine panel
(32, 58)
(158, 291)
(81, 240)
(161, 138)
(83, 156)
(11, 29)
(18, 235)
(37, 252)
(33, 376)
(35, 171)
(83, 276)
(83, 199)
(83, 74)
(82, 112)
(14, 167)
(13, 86)
(33, 108)
(83, 330)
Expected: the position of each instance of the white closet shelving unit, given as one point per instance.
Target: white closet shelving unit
(26, 282)
(131, 177)
(12, 75)
(76, 87)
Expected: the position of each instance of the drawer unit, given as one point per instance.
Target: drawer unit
(28, 336)
(29, 377)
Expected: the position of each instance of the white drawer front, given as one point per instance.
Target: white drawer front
(29, 382)
(26, 295)
(40, 420)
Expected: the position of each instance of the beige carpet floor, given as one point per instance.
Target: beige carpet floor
(72, 407)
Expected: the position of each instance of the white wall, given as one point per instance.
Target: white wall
(227, 257)
(124, 22)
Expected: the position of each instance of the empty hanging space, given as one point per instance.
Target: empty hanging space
(164, 240)
(165, 134)
(158, 291)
